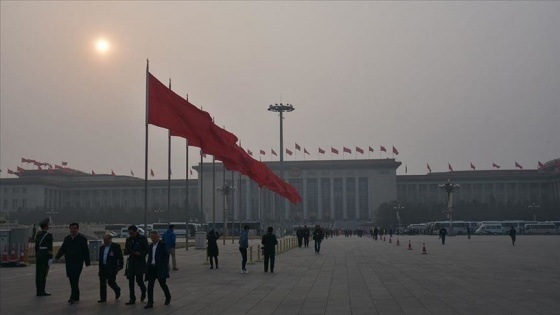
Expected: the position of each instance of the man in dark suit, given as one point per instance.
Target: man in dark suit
(269, 243)
(76, 253)
(110, 262)
(136, 247)
(158, 268)
(43, 257)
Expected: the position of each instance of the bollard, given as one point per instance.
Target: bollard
(258, 253)
(278, 249)
(251, 262)
(207, 262)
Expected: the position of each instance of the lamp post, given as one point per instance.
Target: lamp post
(51, 213)
(449, 188)
(398, 208)
(281, 108)
(534, 207)
(225, 190)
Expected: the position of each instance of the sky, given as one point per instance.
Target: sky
(443, 82)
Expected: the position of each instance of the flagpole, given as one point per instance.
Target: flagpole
(233, 205)
(201, 180)
(214, 192)
(146, 148)
(224, 224)
(187, 196)
(169, 172)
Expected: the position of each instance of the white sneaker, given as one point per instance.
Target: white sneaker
(242, 271)
(245, 271)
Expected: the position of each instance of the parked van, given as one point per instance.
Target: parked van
(489, 229)
(124, 232)
(541, 228)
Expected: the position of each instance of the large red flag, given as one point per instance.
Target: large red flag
(321, 151)
(359, 150)
(382, 148)
(345, 149)
(333, 150)
(395, 151)
(518, 166)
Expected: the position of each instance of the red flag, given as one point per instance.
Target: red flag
(272, 152)
(38, 164)
(450, 168)
(288, 152)
(19, 169)
(305, 151)
(58, 167)
(382, 148)
(370, 149)
(345, 149)
(359, 150)
(518, 166)
(321, 151)
(24, 160)
(472, 166)
(333, 150)
(152, 172)
(495, 165)
(190, 171)
(405, 168)
(10, 171)
(395, 151)
(298, 147)
(64, 163)
(92, 172)
(262, 152)
(131, 173)
(250, 153)
(540, 164)
(112, 173)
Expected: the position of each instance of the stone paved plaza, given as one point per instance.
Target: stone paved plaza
(351, 275)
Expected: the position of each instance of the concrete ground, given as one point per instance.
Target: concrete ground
(351, 275)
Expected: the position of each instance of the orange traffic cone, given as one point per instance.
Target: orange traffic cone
(424, 248)
(398, 243)
(390, 240)
(409, 245)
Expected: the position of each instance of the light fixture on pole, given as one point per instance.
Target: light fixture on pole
(398, 208)
(225, 190)
(281, 108)
(449, 188)
(534, 206)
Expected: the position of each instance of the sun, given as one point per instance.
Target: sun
(102, 46)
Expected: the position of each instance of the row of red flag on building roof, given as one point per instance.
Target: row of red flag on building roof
(494, 165)
(152, 174)
(321, 151)
(168, 110)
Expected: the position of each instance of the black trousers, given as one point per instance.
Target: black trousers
(212, 261)
(104, 279)
(151, 274)
(243, 252)
(299, 241)
(138, 278)
(317, 246)
(75, 293)
(41, 271)
(269, 257)
(306, 241)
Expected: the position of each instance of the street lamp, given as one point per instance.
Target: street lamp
(225, 190)
(534, 206)
(398, 208)
(281, 108)
(449, 188)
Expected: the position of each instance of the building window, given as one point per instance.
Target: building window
(363, 201)
(351, 198)
(338, 202)
(326, 198)
(6, 203)
(313, 199)
(24, 203)
(24, 189)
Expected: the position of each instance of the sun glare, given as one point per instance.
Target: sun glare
(102, 46)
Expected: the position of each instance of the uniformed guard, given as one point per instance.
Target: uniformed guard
(43, 257)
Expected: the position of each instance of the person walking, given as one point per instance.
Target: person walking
(136, 247)
(375, 233)
(158, 268)
(306, 234)
(43, 257)
(212, 250)
(318, 236)
(269, 243)
(512, 234)
(469, 232)
(243, 245)
(442, 235)
(169, 238)
(299, 235)
(75, 250)
(111, 261)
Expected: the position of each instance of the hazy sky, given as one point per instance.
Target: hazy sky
(455, 82)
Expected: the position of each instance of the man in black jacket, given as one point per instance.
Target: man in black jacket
(43, 257)
(110, 262)
(76, 253)
(158, 268)
(269, 243)
(136, 247)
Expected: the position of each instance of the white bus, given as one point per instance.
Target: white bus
(180, 228)
(541, 228)
(459, 227)
(489, 229)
